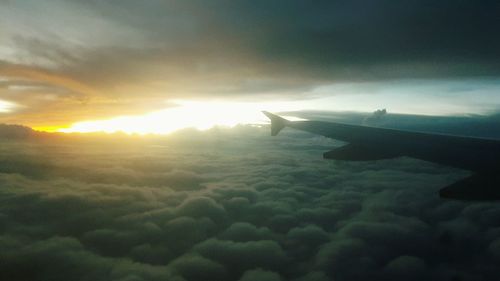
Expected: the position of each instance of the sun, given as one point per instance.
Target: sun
(186, 114)
(6, 106)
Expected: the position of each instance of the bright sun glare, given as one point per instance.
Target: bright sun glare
(6, 106)
(187, 114)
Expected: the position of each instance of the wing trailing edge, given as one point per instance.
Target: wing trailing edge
(476, 187)
(352, 152)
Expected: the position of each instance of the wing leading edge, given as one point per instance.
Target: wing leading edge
(481, 156)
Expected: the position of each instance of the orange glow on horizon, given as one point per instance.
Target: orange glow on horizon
(49, 129)
(187, 114)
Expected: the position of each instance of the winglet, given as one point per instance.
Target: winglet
(277, 123)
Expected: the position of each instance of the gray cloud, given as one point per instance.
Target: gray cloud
(195, 267)
(250, 208)
(407, 267)
(259, 274)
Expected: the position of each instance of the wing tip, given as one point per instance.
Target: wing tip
(277, 122)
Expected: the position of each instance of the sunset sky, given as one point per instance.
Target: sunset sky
(187, 183)
(63, 62)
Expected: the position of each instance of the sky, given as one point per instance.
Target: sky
(218, 198)
(67, 62)
(231, 205)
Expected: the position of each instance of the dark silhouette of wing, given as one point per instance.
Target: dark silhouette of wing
(482, 156)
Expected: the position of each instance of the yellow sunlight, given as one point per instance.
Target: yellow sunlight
(187, 114)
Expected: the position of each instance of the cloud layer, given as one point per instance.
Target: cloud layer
(99, 60)
(233, 205)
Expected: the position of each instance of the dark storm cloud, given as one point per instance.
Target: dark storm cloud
(392, 38)
(257, 208)
(345, 36)
(109, 52)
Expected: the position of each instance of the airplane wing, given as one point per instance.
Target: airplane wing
(481, 156)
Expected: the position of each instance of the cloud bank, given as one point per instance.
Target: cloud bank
(233, 205)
